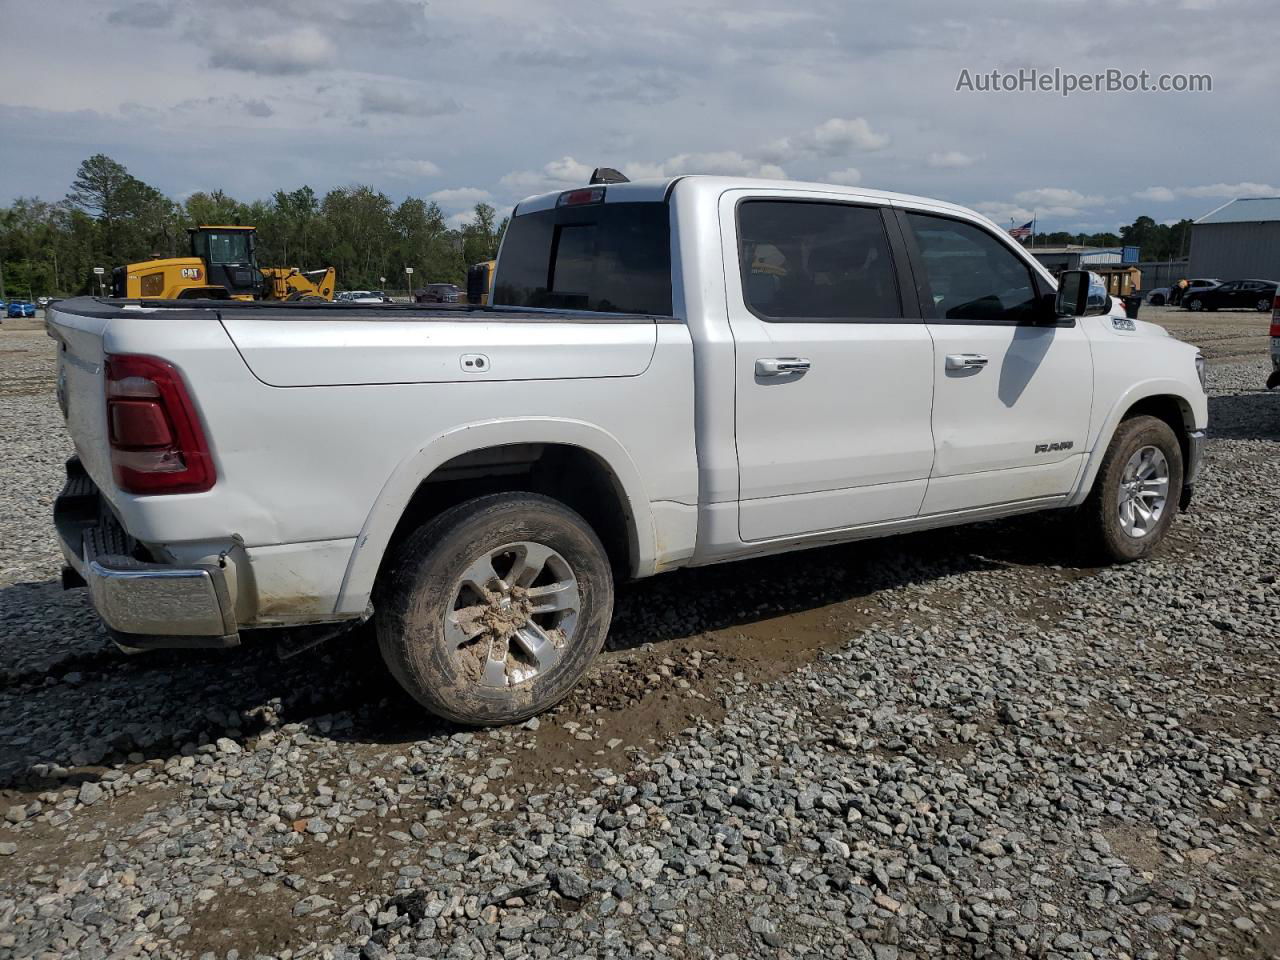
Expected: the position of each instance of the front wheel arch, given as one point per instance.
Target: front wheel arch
(1163, 399)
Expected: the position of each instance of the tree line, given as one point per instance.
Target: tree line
(109, 217)
(1157, 241)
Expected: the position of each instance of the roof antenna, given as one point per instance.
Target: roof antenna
(607, 175)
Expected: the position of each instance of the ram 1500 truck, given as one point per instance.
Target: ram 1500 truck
(670, 374)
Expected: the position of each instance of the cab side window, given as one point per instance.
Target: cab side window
(806, 261)
(971, 277)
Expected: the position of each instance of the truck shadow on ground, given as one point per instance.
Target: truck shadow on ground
(1245, 416)
(64, 721)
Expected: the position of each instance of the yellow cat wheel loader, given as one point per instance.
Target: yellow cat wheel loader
(223, 266)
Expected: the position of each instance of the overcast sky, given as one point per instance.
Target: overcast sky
(497, 99)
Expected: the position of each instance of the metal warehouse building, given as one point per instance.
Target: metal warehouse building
(1239, 240)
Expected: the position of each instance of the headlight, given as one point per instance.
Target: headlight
(1202, 372)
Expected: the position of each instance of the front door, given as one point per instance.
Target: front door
(1013, 386)
(833, 376)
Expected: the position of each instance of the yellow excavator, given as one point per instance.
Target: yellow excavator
(480, 281)
(223, 266)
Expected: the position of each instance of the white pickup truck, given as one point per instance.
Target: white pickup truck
(672, 374)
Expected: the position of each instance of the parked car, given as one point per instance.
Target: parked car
(361, 296)
(20, 308)
(438, 293)
(1240, 294)
(672, 373)
(1197, 285)
(43, 302)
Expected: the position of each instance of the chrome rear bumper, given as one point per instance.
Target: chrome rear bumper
(145, 604)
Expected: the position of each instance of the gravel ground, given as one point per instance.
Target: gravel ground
(904, 749)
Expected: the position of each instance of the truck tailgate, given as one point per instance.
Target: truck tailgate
(80, 387)
(334, 352)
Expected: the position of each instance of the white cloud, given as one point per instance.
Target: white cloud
(564, 172)
(1003, 212)
(257, 107)
(1058, 198)
(834, 137)
(459, 197)
(723, 162)
(403, 167)
(145, 15)
(1229, 191)
(839, 136)
(848, 176)
(274, 52)
(460, 220)
(568, 170)
(950, 160)
(404, 103)
(1041, 203)
(1208, 191)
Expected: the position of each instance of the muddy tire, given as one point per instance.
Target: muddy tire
(1135, 495)
(493, 611)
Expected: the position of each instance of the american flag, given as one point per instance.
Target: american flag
(1022, 232)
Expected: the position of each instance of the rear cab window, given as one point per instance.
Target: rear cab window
(805, 261)
(609, 257)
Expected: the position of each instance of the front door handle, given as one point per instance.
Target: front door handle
(780, 366)
(965, 361)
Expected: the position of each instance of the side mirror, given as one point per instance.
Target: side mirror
(1081, 293)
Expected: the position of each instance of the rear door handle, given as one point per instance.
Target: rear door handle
(965, 361)
(780, 366)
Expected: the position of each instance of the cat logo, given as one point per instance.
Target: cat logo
(190, 273)
(1054, 447)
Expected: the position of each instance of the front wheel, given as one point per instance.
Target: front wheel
(1157, 301)
(1135, 495)
(1196, 304)
(494, 610)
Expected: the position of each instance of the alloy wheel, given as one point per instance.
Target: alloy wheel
(515, 610)
(1144, 491)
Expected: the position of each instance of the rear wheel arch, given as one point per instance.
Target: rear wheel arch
(572, 461)
(571, 475)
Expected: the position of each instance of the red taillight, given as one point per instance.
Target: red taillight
(157, 443)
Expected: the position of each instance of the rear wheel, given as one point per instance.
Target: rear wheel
(494, 610)
(1262, 306)
(1157, 300)
(1195, 304)
(1135, 495)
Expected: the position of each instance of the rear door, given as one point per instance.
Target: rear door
(833, 365)
(1013, 386)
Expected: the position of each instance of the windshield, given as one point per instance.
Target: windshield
(229, 247)
(608, 257)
